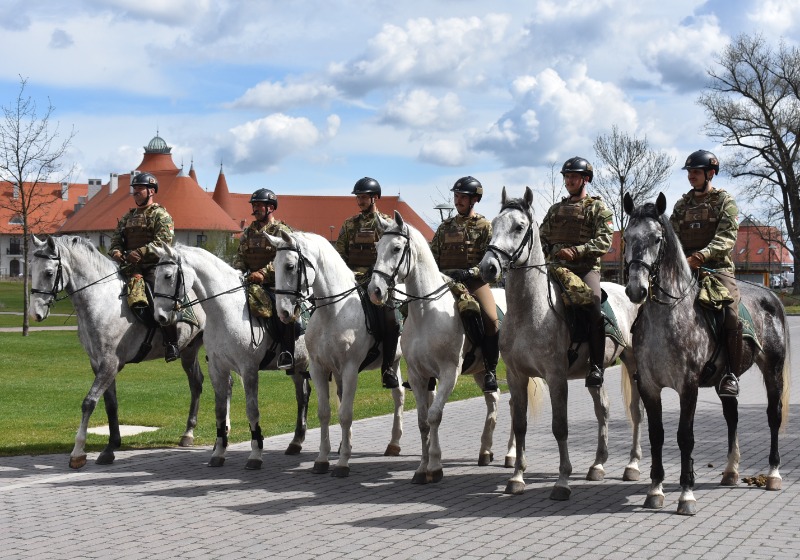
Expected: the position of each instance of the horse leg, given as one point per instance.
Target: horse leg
(446, 385)
(511, 454)
(320, 378)
(348, 395)
(635, 408)
(517, 386)
(191, 365)
(730, 409)
(399, 398)
(302, 393)
(558, 401)
(485, 455)
(655, 429)
(255, 459)
(687, 505)
(102, 381)
(106, 456)
(423, 398)
(600, 398)
(776, 373)
(221, 381)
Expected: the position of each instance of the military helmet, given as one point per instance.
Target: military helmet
(578, 165)
(266, 196)
(468, 185)
(146, 179)
(702, 159)
(367, 185)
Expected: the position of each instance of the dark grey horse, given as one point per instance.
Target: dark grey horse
(673, 342)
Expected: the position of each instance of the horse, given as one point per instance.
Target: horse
(337, 336)
(107, 329)
(434, 340)
(535, 341)
(234, 341)
(674, 344)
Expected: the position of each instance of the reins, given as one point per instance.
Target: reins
(59, 279)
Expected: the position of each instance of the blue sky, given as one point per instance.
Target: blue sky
(308, 97)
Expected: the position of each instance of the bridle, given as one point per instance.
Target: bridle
(177, 297)
(516, 254)
(59, 279)
(654, 272)
(391, 279)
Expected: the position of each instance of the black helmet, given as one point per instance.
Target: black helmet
(367, 185)
(578, 165)
(468, 185)
(144, 178)
(702, 159)
(264, 195)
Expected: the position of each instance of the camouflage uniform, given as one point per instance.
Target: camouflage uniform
(356, 243)
(256, 253)
(143, 230)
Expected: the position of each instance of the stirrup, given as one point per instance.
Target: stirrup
(728, 386)
(171, 353)
(490, 382)
(285, 360)
(389, 379)
(595, 377)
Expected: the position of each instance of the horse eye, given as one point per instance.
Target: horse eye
(290, 267)
(518, 228)
(168, 276)
(396, 249)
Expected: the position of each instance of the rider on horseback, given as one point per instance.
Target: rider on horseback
(458, 247)
(144, 228)
(254, 259)
(576, 232)
(705, 220)
(356, 245)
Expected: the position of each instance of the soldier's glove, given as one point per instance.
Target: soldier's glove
(695, 260)
(256, 277)
(459, 275)
(116, 256)
(567, 254)
(134, 256)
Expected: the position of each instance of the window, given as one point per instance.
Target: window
(201, 239)
(741, 251)
(760, 251)
(15, 247)
(16, 220)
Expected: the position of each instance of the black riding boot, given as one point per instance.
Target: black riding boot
(391, 334)
(170, 335)
(491, 354)
(597, 352)
(286, 357)
(729, 384)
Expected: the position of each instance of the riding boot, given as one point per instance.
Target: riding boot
(729, 384)
(286, 357)
(170, 335)
(491, 354)
(391, 334)
(597, 353)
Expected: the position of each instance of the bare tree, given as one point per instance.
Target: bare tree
(753, 106)
(627, 165)
(30, 156)
(551, 189)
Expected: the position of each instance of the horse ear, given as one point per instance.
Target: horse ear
(528, 197)
(661, 203)
(51, 243)
(398, 219)
(503, 197)
(287, 237)
(627, 203)
(38, 243)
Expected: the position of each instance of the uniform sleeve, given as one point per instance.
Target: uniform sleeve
(600, 242)
(341, 241)
(117, 240)
(436, 243)
(675, 217)
(544, 230)
(724, 239)
(163, 233)
(238, 259)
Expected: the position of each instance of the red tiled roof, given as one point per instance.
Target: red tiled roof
(47, 217)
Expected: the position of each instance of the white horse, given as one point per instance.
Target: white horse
(234, 342)
(434, 341)
(107, 329)
(535, 338)
(337, 335)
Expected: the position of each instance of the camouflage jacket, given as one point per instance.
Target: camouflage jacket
(251, 233)
(592, 237)
(461, 241)
(160, 230)
(360, 254)
(718, 251)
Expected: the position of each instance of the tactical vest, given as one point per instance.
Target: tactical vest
(138, 232)
(698, 225)
(257, 251)
(361, 250)
(569, 225)
(458, 249)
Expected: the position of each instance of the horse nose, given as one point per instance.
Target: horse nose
(161, 317)
(376, 296)
(635, 293)
(488, 272)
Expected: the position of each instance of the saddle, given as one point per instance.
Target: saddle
(375, 320)
(274, 326)
(714, 318)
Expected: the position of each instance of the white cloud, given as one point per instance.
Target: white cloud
(775, 17)
(448, 153)
(60, 39)
(174, 12)
(274, 96)
(419, 109)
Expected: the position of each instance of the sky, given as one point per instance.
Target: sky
(308, 97)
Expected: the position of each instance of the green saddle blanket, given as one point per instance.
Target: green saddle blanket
(714, 320)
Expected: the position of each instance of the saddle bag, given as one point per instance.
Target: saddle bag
(575, 291)
(137, 292)
(259, 301)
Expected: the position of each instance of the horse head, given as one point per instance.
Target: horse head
(294, 275)
(514, 232)
(394, 259)
(47, 277)
(169, 285)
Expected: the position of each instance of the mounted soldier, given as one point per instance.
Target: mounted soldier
(458, 247)
(356, 245)
(138, 233)
(254, 259)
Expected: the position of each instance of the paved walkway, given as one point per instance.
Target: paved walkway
(167, 503)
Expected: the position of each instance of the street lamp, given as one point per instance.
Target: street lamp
(331, 233)
(442, 208)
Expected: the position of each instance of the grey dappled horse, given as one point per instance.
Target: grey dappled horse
(233, 342)
(337, 335)
(535, 339)
(434, 341)
(107, 329)
(673, 341)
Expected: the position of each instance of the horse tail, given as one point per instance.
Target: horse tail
(536, 390)
(787, 381)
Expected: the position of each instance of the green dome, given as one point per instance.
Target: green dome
(157, 146)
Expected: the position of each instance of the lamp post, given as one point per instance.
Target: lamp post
(331, 233)
(442, 208)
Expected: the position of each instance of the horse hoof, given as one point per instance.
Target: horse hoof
(773, 483)
(340, 472)
(253, 464)
(320, 467)
(392, 450)
(596, 475)
(216, 461)
(105, 458)
(630, 474)
(485, 459)
(515, 487)
(689, 507)
(419, 478)
(729, 479)
(436, 476)
(509, 463)
(560, 493)
(77, 462)
(186, 441)
(293, 449)
(655, 501)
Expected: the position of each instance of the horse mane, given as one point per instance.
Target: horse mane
(328, 258)
(84, 247)
(517, 204)
(219, 264)
(673, 251)
(420, 245)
